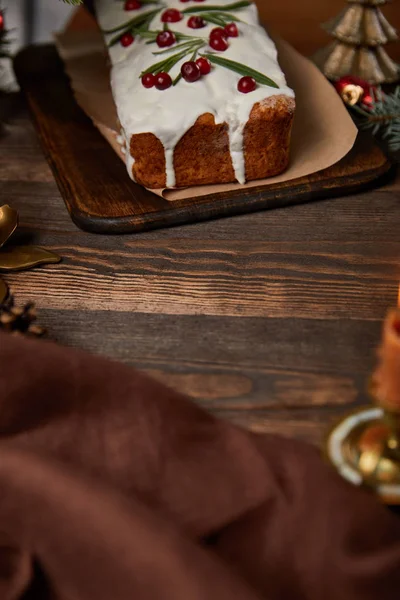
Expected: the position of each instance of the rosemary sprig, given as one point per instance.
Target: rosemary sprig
(166, 64)
(220, 19)
(241, 69)
(198, 43)
(179, 76)
(137, 22)
(218, 8)
(151, 36)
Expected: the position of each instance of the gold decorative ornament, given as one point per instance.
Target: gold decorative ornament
(351, 94)
(18, 258)
(360, 32)
(365, 446)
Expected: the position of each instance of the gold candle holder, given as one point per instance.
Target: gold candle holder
(365, 446)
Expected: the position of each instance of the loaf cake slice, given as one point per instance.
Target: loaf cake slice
(230, 124)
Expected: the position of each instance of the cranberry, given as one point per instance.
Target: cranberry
(246, 84)
(163, 81)
(165, 38)
(204, 65)
(132, 5)
(148, 80)
(172, 15)
(218, 32)
(231, 30)
(196, 23)
(218, 43)
(190, 71)
(184, 0)
(127, 39)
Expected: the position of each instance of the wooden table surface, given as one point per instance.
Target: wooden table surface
(269, 319)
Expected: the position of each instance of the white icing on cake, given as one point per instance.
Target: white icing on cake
(170, 113)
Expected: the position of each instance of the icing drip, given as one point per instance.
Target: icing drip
(169, 114)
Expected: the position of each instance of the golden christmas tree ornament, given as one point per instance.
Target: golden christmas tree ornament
(360, 32)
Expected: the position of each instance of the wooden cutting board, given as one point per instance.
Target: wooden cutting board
(101, 198)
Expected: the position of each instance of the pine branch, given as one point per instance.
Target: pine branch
(382, 119)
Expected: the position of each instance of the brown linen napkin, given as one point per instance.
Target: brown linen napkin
(114, 487)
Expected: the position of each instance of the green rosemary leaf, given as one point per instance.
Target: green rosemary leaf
(228, 17)
(134, 23)
(241, 69)
(150, 35)
(220, 19)
(213, 19)
(187, 45)
(225, 8)
(177, 78)
(166, 64)
(182, 36)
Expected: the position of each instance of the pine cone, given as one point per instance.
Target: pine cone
(19, 320)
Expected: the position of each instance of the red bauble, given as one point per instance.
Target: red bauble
(354, 90)
(165, 39)
(163, 81)
(204, 65)
(172, 15)
(2, 23)
(246, 84)
(127, 39)
(132, 5)
(190, 71)
(231, 30)
(148, 80)
(218, 43)
(196, 23)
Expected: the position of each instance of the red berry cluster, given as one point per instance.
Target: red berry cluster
(219, 36)
(191, 71)
(161, 81)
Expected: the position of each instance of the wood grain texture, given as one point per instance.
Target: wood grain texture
(268, 319)
(99, 196)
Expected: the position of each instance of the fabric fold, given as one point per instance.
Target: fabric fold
(113, 486)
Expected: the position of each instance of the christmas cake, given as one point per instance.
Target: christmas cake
(200, 95)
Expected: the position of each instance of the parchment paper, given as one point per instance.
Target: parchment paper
(323, 132)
